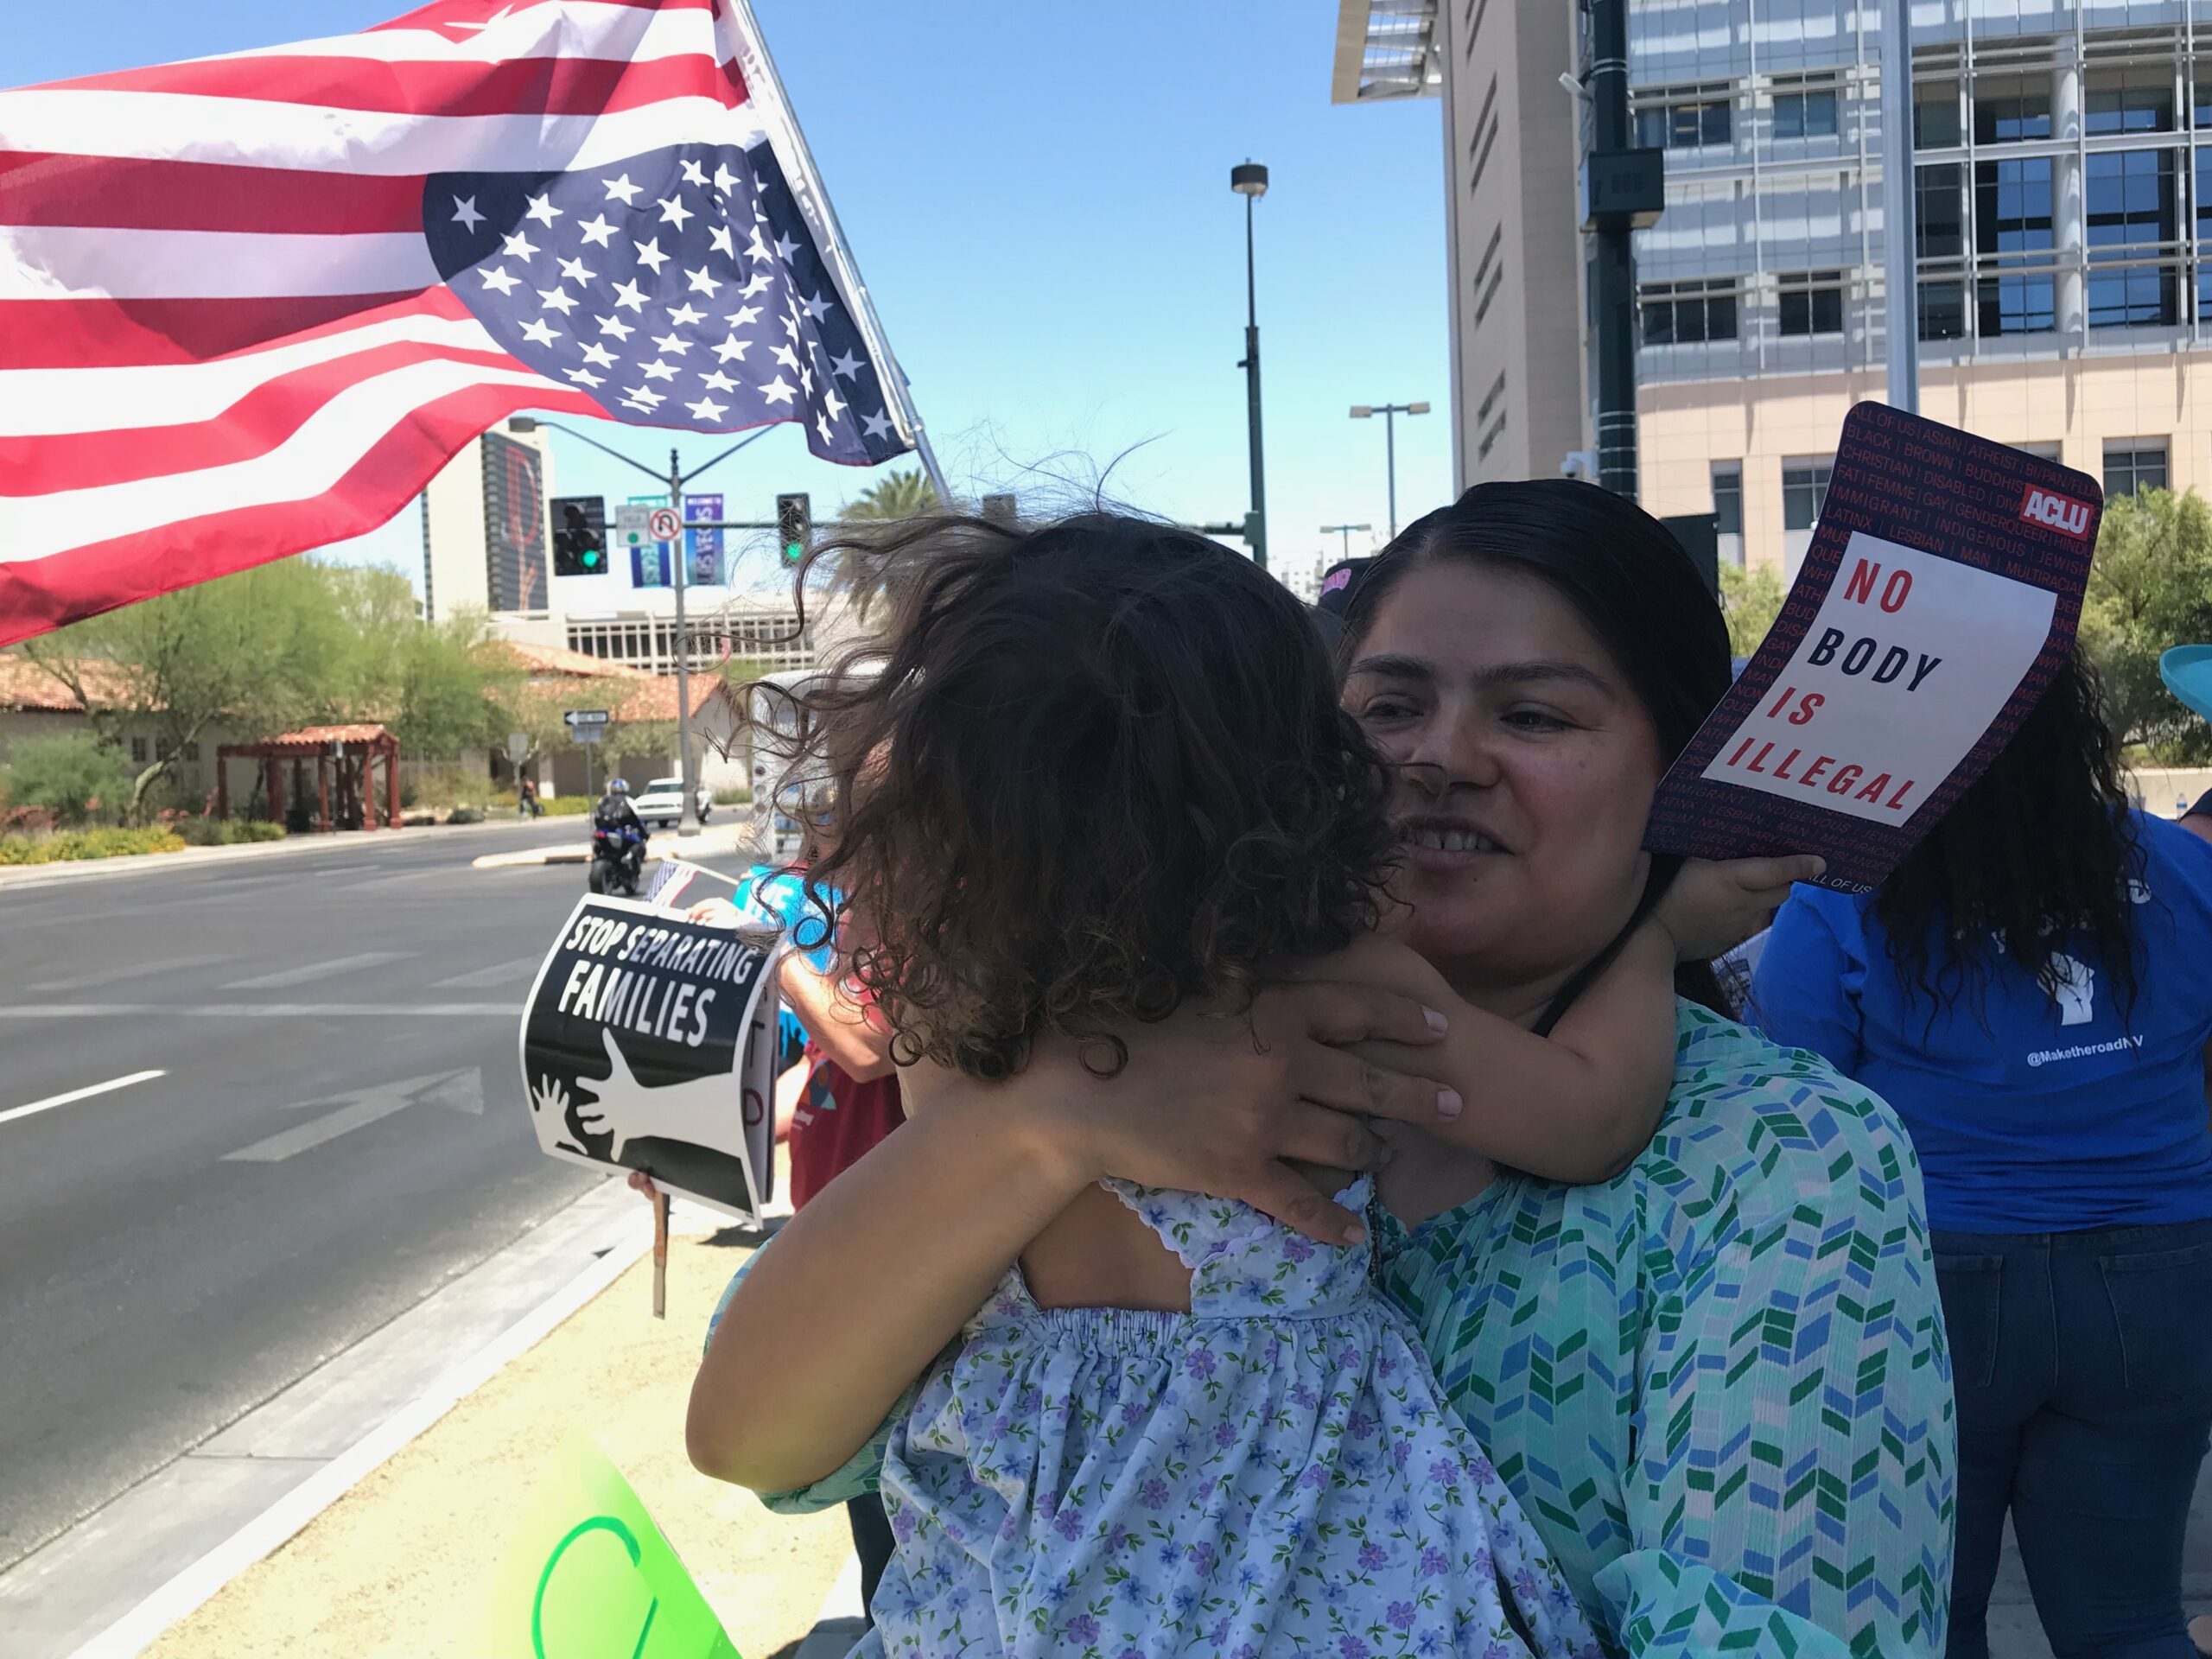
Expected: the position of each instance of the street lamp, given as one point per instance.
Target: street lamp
(1389, 412)
(1250, 181)
(1345, 531)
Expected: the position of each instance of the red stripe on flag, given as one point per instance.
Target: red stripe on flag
(39, 594)
(125, 334)
(264, 418)
(457, 19)
(131, 194)
(518, 86)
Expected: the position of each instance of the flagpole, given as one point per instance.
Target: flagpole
(761, 78)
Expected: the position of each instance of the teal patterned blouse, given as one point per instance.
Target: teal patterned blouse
(1718, 1383)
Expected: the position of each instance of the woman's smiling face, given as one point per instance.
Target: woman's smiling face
(1526, 767)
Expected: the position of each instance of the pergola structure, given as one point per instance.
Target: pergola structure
(355, 749)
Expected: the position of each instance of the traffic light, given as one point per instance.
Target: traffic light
(579, 535)
(794, 527)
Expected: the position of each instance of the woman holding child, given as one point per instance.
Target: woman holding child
(1689, 1390)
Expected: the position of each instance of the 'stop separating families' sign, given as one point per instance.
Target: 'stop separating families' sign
(650, 1044)
(1938, 600)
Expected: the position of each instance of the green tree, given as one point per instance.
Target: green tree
(75, 774)
(903, 494)
(2150, 588)
(1750, 600)
(258, 653)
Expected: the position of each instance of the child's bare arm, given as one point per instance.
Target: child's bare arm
(1580, 1104)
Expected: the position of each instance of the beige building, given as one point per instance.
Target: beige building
(2064, 201)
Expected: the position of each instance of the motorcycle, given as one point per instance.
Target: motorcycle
(618, 858)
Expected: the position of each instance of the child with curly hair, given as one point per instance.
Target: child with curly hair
(1100, 772)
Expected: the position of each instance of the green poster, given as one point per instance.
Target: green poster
(587, 1575)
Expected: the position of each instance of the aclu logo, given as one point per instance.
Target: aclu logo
(2059, 511)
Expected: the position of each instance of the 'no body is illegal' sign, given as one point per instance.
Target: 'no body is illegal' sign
(1939, 598)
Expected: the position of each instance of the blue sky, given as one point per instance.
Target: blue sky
(1039, 197)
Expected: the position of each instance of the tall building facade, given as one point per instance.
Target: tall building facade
(486, 527)
(2062, 178)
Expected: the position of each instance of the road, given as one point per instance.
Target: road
(335, 1130)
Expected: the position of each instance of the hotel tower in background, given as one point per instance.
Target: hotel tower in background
(2062, 179)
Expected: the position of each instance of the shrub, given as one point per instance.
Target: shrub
(225, 832)
(87, 844)
(740, 795)
(74, 774)
(566, 806)
(439, 787)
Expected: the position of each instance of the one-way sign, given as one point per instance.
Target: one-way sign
(576, 717)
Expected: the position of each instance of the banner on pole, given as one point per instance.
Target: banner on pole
(649, 1043)
(1937, 602)
(587, 1572)
(703, 547)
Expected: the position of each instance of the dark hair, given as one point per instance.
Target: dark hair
(2040, 846)
(1099, 769)
(1631, 583)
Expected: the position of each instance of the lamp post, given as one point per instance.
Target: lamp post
(1389, 412)
(1250, 181)
(1345, 531)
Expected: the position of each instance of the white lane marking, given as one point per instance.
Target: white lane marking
(74, 1095)
(461, 1091)
(308, 972)
(259, 1010)
(484, 979)
(126, 970)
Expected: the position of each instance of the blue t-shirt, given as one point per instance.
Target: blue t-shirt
(2035, 1108)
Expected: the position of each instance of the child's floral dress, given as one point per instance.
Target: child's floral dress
(1273, 1472)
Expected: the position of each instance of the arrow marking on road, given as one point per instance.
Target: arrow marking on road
(462, 1091)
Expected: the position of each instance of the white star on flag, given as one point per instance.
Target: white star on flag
(465, 212)
(623, 189)
(597, 232)
(649, 253)
(707, 409)
(542, 210)
(779, 390)
(498, 278)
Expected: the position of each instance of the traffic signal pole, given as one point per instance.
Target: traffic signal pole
(677, 478)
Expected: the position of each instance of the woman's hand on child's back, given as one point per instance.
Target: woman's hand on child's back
(1714, 907)
(1227, 1103)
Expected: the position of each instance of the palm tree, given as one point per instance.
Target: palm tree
(906, 494)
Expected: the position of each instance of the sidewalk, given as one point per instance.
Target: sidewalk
(26, 875)
(389, 1570)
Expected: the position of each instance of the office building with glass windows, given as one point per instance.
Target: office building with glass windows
(2063, 187)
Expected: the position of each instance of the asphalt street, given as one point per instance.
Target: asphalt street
(289, 1108)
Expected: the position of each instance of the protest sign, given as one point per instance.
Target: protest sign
(587, 1573)
(1938, 598)
(649, 1043)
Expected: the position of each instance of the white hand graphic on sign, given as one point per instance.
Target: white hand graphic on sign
(2073, 985)
(629, 1111)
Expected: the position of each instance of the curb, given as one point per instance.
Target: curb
(36, 875)
(709, 843)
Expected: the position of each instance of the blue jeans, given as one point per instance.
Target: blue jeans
(2083, 1364)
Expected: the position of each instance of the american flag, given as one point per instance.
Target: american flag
(250, 304)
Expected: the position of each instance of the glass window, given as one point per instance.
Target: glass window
(1683, 314)
(1812, 302)
(1727, 498)
(1935, 116)
(2016, 305)
(2200, 112)
(2132, 100)
(2131, 211)
(2008, 109)
(2132, 464)
(1942, 310)
(1938, 225)
(2204, 231)
(192, 753)
(137, 751)
(2012, 206)
(1682, 123)
(1804, 488)
(1805, 115)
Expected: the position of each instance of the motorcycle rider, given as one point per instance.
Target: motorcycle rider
(614, 810)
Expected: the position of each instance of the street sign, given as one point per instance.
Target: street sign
(589, 733)
(576, 717)
(703, 547)
(633, 520)
(517, 747)
(664, 524)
